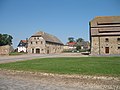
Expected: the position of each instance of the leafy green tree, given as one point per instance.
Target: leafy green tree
(78, 47)
(78, 43)
(80, 40)
(71, 39)
(5, 39)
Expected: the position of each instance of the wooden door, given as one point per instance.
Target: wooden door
(37, 50)
(47, 51)
(106, 49)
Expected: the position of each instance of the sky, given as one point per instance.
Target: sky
(62, 18)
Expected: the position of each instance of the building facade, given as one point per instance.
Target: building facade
(44, 43)
(105, 35)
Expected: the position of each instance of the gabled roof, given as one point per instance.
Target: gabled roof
(105, 26)
(105, 20)
(84, 43)
(47, 37)
(22, 43)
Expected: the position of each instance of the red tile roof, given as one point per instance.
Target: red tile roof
(71, 43)
(24, 41)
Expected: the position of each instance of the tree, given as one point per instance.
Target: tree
(80, 40)
(79, 43)
(71, 39)
(78, 47)
(5, 39)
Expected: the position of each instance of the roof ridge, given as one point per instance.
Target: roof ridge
(48, 37)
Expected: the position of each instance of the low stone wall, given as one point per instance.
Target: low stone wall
(5, 50)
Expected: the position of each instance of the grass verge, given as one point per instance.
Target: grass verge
(106, 66)
(16, 53)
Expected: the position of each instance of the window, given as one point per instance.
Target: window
(32, 50)
(36, 42)
(31, 42)
(118, 39)
(35, 38)
(106, 40)
(38, 38)
(118, 47)
(41, 42)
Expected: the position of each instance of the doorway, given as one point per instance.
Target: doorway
(37, 50)
(32, 50)
(106, 50)
(47, 51)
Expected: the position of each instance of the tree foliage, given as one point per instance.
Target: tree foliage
(71, 39)
(5, 39)
(80, 40)
(78, 47)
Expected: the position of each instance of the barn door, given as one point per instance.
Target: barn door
(37, 50)
(107, 50)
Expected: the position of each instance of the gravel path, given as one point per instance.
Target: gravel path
(18, 80)
(7, 59)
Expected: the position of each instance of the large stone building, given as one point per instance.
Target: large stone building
(44, 43)
(105, 35)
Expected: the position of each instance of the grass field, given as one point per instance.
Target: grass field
(108, 66)
(16, 53)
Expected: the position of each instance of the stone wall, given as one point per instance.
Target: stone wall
(53, 48)
(5, 50)
(112, 43)
(39, 45)
(99, 44)
(95, 45)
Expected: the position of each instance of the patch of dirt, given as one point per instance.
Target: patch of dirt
(24, 80)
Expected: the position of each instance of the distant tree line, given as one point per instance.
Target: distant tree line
(5, 39)
(78, 42)
(71, 39)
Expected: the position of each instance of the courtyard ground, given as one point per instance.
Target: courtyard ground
(18, 80)
(26, 80)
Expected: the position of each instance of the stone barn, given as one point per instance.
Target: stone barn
(44, 43)
(105, 35)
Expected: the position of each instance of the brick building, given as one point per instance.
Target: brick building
(105, 35)
(44, 43)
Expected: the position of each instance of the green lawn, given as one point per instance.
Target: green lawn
(16, 53)
(108, 66)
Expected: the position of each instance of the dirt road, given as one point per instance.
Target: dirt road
(18, 80)
(7, 59)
